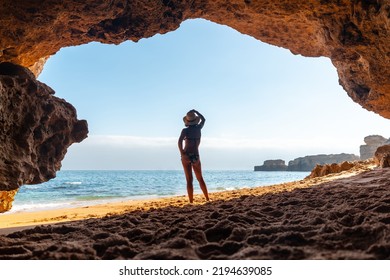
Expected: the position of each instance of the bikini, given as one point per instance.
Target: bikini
(192, 156)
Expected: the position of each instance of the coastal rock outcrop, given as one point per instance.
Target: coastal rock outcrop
(272, 165)
(6, 200)
(323, 170)
(36, 130)
(382, 156)
(373, 142)
(307, 163)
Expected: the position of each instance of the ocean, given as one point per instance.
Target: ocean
(82, 188)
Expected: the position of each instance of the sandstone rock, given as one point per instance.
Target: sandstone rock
(309, 162)
(272, 165)
(323, 170)
(382, 156)
(36, 129)
(6, 200)
(353, 34)
(346, 165)
(372, 143)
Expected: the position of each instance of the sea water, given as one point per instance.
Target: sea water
(82, 188)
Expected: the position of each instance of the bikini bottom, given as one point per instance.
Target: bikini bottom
(192, 157)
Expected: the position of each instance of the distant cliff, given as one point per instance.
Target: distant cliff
(306, 163)
(373, 142)
(272, 165)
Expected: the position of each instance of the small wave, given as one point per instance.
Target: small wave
(28, 187)
(73, 183)
(38, 207)
(226, 188)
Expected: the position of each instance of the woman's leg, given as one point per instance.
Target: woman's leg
(197, 166)
(188, 172)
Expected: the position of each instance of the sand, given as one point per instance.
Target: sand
(338, 216)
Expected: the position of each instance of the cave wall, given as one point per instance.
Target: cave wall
(353, 34)
(36, 130)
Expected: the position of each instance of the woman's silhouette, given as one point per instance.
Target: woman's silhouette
(194, 122)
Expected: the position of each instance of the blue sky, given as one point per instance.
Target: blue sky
(260, 101)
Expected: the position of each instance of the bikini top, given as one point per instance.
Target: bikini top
(193, 133)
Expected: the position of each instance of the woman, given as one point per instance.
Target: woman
(194, 122)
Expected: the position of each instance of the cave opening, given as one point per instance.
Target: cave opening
(260, 101)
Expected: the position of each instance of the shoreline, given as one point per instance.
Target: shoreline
(79, 188)
(11, 222)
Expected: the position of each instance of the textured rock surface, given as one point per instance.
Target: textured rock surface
(353, 34)
(372, 143)
(36, 129)
(307, 163)
(382, 156)
(6, 200)
(272, 165)
(323, 170)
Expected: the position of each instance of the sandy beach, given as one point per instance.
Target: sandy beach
(338, 216)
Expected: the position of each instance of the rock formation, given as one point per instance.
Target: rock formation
(372, 143)
(272, 165)
(6, 200)
(382, 156)
(36, 130)
(307, 163)
(323, 170)
(353, 34)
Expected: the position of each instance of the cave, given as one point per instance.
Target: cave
(37, 127)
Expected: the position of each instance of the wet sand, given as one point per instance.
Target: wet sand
(338, 216)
